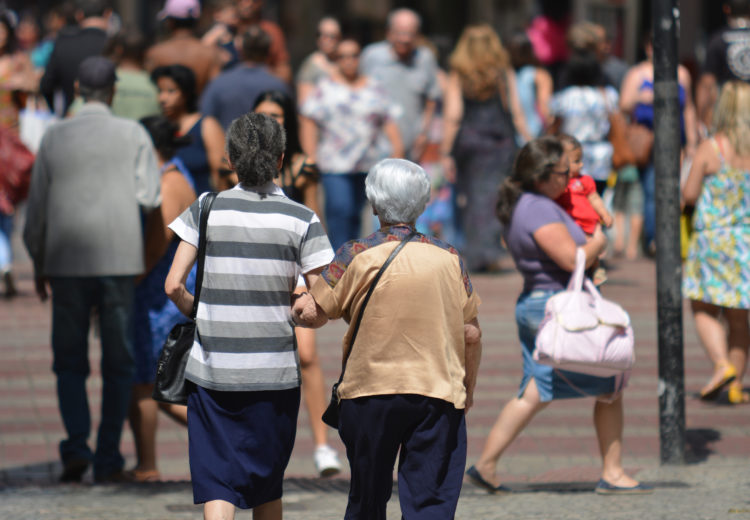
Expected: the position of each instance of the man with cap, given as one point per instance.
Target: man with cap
(182, 47)
(94, 174)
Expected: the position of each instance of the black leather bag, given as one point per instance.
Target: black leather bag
(171, 385)
(331, 415)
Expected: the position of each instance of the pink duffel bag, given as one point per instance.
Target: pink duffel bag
(583, 332)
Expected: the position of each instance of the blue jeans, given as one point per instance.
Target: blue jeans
(649, 205)
(344, 200)
(6, 230)
(73, 299)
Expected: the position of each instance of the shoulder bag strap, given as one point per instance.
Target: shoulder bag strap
(367, 298)
(208, 201)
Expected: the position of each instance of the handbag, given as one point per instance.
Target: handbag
(15, 176)
(170, 385)
(582, 332)
(331, 415)
(622, 155)
(641, 141)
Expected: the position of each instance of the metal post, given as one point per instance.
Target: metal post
(668, 261)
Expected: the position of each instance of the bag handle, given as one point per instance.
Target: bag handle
(208, 201)
(367, 299)
(576, 279)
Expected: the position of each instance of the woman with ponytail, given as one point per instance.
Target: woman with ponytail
(543, 239)
(243, 362)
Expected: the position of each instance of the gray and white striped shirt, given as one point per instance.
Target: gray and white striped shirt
(259, 241)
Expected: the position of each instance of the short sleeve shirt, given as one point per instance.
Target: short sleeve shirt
(349, 122)
(258, 243)
(539, 271)
(411, 338)
(407, 84)
(575, 201)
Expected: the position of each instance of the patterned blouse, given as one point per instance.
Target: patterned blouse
(585, 115)
(350, 122)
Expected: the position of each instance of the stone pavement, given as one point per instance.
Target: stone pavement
(552, 466)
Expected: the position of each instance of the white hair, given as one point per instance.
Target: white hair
(398, 189)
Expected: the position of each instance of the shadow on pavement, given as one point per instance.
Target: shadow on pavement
(565, 487)
(697, 444)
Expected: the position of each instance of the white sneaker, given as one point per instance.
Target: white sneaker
(326, 461)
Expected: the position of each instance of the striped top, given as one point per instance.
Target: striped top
(259, 241)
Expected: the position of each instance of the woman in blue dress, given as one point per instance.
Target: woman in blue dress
(155, 314)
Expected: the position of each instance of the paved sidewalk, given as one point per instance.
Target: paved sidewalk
(553, 466)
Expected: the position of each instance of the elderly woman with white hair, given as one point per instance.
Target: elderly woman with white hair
(410, 373)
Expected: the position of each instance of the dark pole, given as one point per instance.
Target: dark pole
(668, 261)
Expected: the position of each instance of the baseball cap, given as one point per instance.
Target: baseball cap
(96, 72)
(180, 9)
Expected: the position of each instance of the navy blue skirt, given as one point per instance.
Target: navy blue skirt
(240, 444)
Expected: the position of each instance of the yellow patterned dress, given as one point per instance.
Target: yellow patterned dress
(717, 269)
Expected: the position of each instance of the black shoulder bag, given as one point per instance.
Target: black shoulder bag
(331, 415)
(170, 385)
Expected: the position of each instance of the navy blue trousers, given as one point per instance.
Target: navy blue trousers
(431, 434)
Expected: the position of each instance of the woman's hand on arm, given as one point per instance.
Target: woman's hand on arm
(305, 310)
(213, 139)
(472, 356)
(556, 242)
(174, 285)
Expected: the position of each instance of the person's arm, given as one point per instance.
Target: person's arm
(213, 139)
(174, 285)
(598, 204)
(308, 137)
(307, 313)
(472, 356)
(307, 181)
(453, 109)
(390, 129)
(629, 91)
(688, 112)
(700, 168)
(519, 119)
(556, 242)
(35, 229)
(544, 88)
(177, 195)
(420, 143)
(146, 172)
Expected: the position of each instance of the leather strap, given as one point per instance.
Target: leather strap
(375, 280)
(208, 201)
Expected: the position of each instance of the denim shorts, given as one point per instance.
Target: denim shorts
(551, 384)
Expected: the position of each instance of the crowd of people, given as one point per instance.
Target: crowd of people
(531, 170)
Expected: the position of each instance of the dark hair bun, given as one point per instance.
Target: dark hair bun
(255, 143)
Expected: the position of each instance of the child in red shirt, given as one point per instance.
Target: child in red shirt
(580, 199)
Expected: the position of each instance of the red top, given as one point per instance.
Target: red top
(575, 201)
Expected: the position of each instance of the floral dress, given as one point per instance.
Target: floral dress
(717, 269)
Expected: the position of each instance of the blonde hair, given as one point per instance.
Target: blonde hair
(732, 117)
(481, 61)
